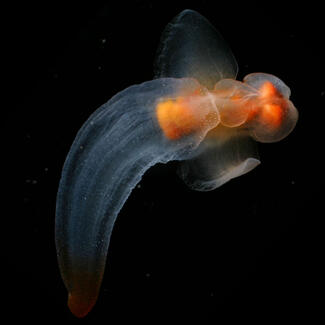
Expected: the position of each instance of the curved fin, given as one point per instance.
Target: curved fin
(191, 47)
(219, 160)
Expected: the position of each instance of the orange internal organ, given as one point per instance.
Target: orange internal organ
(268, 106)
(268, 90)
(177, 117)
(272, 114)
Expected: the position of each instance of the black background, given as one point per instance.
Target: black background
(249, 251)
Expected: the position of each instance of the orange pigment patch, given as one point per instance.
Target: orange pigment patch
(272, 114)
(176, 118)
(268, 90)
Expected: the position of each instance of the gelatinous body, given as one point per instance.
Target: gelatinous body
(199, 115)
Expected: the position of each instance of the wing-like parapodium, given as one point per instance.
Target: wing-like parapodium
(219, 159)
(191, 47)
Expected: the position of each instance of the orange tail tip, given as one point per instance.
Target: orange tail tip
(79, 305)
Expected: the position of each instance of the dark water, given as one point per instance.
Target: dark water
(250, 250)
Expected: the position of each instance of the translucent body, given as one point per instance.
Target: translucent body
(189, 113)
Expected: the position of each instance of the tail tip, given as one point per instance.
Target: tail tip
(79, 305)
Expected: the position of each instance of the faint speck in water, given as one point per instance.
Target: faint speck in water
(31, 181)
(322, 93)
(148, 275)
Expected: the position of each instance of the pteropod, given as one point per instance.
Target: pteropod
(194, 111)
